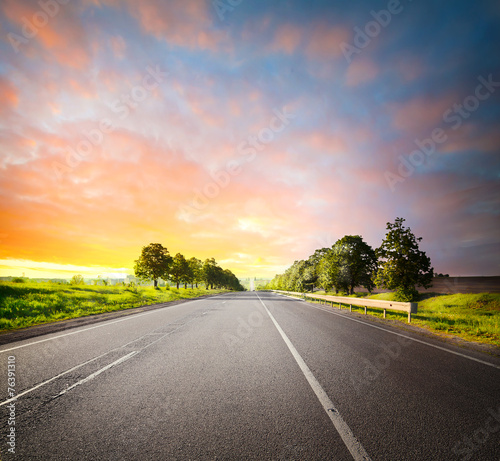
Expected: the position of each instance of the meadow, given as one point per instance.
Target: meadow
(31, 303)
(473, 317)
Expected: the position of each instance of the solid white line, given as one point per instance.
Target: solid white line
(104, 324)
(404, 336)
(352, 443)
(97, 373)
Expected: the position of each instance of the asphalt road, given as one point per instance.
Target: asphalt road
(246, 376)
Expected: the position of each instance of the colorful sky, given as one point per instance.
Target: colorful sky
(252, 131)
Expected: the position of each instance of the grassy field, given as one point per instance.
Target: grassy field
(474, 317)
(26, 304)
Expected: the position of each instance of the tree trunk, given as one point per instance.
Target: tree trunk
(156, 283)
(185, 286)
(177, 285)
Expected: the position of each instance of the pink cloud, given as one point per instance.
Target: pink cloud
(325, 40)
(361, 71)
(185, 23)
(287, 39)
(9, 95)
(421, 114)
(62, 38)
(118, 46)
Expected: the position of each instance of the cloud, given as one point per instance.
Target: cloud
(60, 35)
(361, 71)
(287, 39)
(325, 39)
(183, 23)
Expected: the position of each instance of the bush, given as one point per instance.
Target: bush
(77, 280)
(406, 295)
(18, 280)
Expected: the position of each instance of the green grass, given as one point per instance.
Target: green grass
(26, 304)
(474, 317)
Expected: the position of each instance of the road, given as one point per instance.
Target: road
(247, 376)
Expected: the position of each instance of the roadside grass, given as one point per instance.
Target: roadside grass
(473, 317)
(27, 304)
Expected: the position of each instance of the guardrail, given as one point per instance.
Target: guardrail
(411, 308)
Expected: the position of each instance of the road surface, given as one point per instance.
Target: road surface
(246, 376)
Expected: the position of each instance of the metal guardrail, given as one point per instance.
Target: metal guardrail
(411, 308)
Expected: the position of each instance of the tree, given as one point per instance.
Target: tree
(209, 272)
(77, 280)
(311, 271)
(179, 270)
(403, 266)
(196, 267)
(154, 263)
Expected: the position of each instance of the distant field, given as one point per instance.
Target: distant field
(26, 304)
(474, 317)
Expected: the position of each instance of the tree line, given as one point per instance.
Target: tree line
(398, 264)
(155, 262)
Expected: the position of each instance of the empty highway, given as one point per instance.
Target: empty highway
(246, 376)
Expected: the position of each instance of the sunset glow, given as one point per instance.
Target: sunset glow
(253, 133)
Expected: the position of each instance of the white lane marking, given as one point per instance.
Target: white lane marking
(92, 360)
(352, 443)
(52, 379)
(404, 336)
(98, 372)
(104, 324)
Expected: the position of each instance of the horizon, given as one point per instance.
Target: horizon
(253, 133)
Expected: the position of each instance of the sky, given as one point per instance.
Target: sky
(251, 131)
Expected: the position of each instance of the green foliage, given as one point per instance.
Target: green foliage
(77, 280)
(397, 265)
(154, 263)
(350, 263)
(196, 271)
(18, 280)
(23, 305)
(214, 276)
(403, 266)
(180, 270)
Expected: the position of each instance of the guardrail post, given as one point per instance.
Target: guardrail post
(350, 307)
(409, 316)
(340, 306)
(365, 310)
(384, 313)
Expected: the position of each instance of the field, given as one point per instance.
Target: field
(474, 317)
(26, 304)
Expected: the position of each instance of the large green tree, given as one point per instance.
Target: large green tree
(403, 266)
(153, 264)
(179, 270)
(196, 271)
(210, 273)
(350, 263)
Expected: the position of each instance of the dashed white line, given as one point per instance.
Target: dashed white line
(352, 443)
(98, 372)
